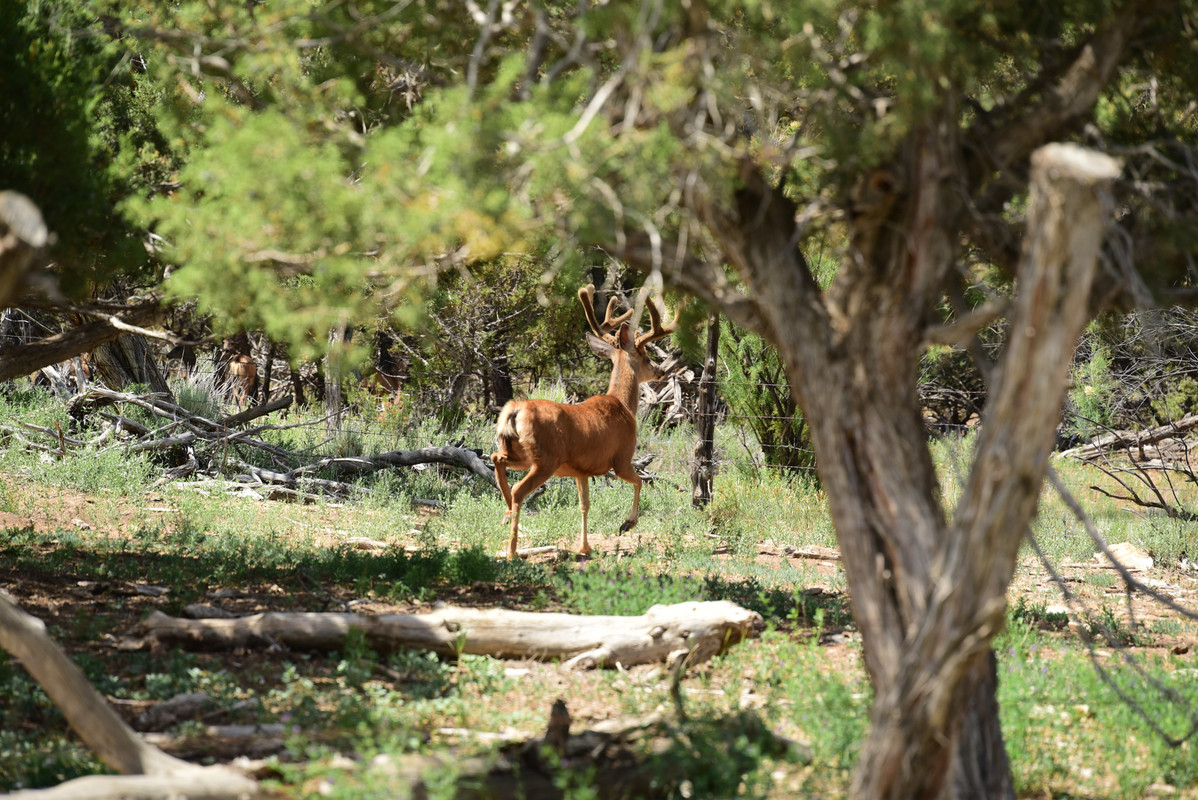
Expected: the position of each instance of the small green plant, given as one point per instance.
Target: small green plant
(198, 394)
(108, 470)
(1102, 580)
(554, 391)
(1093, 394)
(1036, 614)
(759, 396)
(623, 591)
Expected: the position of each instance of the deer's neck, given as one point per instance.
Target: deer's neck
(624, 386)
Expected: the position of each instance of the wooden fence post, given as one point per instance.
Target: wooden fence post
(703, 466)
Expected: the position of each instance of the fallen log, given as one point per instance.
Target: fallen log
(1129, 440)
(695, 631)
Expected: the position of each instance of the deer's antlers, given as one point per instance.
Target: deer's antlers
(587, 295)
(657, 331)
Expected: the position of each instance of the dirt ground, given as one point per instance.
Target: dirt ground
(50, 597)
(56, 598)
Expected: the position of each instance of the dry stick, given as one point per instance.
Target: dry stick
(258, 411)
(1130, 581)
(290, 480)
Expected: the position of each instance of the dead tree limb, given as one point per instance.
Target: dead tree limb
(449, 455)
(696, 631)
(1131, 440)
(159, 774)
(257, 411)
(21, 360)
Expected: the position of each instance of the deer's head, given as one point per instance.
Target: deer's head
(613, 338)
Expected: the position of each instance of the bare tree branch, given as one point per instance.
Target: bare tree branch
(24, 359)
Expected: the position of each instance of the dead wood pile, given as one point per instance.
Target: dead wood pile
(1154, 448)
(198, 446)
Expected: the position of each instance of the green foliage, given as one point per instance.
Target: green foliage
(497, 335)
(1178, 403)
(26, 763)
(198, 394)
(362, 704)
(58, 145)
(609, 589)
(1092, 394)
(758, 395)
(603, 588)
(1140, 368)
(1053, 702)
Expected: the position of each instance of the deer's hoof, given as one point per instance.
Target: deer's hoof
(628, 525)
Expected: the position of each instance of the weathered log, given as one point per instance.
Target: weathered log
(696, 630)
(449, 455)
(195, 783)
(1131, 440)
(157, 774)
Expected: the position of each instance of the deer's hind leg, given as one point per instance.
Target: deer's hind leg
(500, 461)
(536, 476)
(625, 472)
(584, 505)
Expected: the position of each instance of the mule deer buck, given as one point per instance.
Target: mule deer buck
(587, 439)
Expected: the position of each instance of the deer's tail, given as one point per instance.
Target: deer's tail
(505, 429)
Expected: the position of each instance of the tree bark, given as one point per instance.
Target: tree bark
(334, 401)
(695, 631)
(127, 360)
(267, 375)
(21, 360)
(927, 596)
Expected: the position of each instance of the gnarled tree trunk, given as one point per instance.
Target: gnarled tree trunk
(927, 594)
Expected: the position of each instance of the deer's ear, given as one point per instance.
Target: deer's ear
(625, 338)
(601, 348)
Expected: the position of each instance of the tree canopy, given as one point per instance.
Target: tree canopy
(305, 164)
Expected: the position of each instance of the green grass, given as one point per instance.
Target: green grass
(1065, 726)
(1068, 732)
